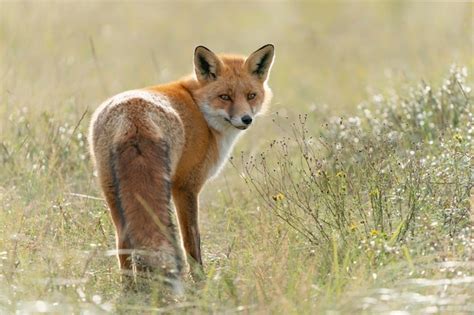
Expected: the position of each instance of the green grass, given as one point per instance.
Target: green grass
(367, 212)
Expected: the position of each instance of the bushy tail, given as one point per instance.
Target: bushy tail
(141, 175)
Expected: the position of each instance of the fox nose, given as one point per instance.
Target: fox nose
(247, 120)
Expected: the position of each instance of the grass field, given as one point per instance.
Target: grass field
(353, 194)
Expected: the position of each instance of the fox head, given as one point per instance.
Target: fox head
(232, 89)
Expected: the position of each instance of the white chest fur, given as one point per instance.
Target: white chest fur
(225, 143)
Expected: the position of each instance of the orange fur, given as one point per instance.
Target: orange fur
(164, 142)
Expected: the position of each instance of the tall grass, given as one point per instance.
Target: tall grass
(391, 184)
(402, 163)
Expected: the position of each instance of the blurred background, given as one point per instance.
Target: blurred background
(73, 55)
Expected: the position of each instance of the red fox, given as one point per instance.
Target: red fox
(162, 143)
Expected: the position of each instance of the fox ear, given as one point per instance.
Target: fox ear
(260, 62)
(206, 64)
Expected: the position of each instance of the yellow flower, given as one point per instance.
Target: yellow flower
(353, 226)
(341, 174)
(458, 137)
(375, 193)
(374, 232)
(278, 197)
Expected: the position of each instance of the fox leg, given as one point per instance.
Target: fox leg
(186, 203)
(123, 254)
(123, 245)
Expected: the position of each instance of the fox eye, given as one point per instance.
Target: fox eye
(251, 96)
(224, 97)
